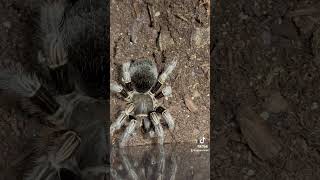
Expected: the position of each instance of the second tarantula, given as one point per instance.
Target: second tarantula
(140, 90)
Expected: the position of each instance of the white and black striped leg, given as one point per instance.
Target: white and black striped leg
(166, 116)
(165, 92)
(126, 78)
(121, 119)
(69, 146)
(128, 132)
(14, 78)
(55, 48)
(157, 127)
(163, 76)
(115, 87)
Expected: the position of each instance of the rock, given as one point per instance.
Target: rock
(157, 14)
(276, 103)
(165, 41)
(200, 37)
(258, 135)
(190, 104)
(196, 94)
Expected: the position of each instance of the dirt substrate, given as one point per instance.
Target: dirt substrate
(266, 55)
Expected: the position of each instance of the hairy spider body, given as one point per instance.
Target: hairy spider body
(141, 84)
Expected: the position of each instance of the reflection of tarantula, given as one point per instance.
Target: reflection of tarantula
(155, 164)
(69, 91)
(141, 87)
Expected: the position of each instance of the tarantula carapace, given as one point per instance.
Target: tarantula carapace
(67, 90)
(140, 89)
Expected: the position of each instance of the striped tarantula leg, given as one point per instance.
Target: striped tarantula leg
(55, 54)
(165, 92)
(163, 76)
(126, 78)
(71, 142)
(13, 77)
(121, 119)
(119, 89)
(157, 127)
(128, 132)
(166, 116)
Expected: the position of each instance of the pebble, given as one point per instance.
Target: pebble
(190, 104)
(157, 14)
(196, 94)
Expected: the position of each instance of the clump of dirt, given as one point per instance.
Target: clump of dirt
(163, 31)
(267, 70)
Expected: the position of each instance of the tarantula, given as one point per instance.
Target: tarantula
(60, 91)
(140, 90)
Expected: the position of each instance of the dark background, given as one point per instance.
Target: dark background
(265, 68)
